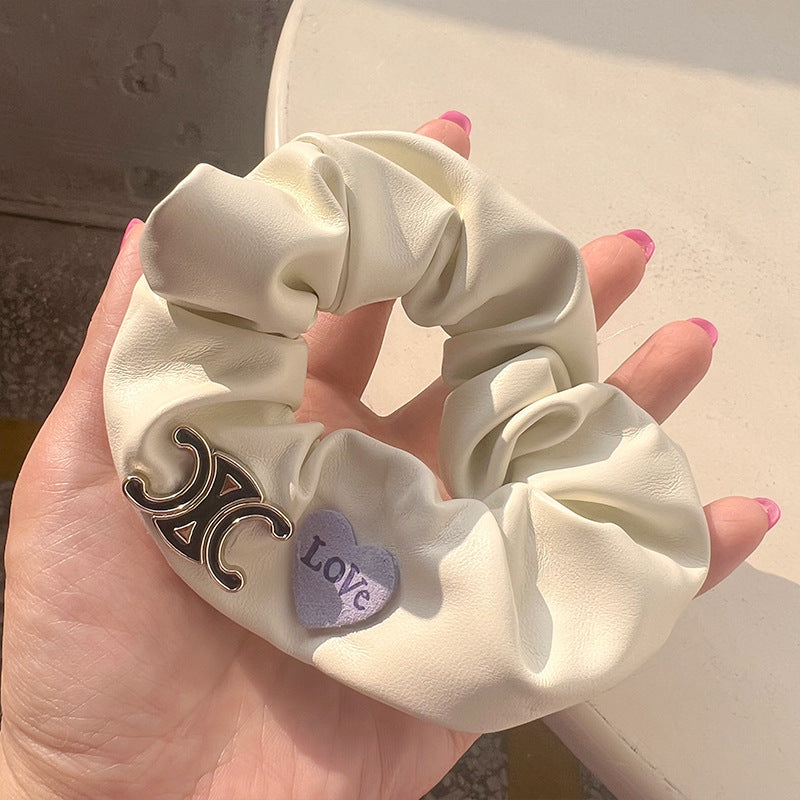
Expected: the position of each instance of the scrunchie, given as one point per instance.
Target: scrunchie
(575, 537)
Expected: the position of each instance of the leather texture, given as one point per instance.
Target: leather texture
(575, 537)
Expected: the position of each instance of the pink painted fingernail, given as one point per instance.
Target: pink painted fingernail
(771, 507)
(131, 225)
(462, 120)
(712, 332)
(644, 240)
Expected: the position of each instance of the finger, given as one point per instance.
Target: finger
(452, 128)
(662, 372)
(419, 422)
(77, 417)
(342, 350)
(657, 377)
(615, 266)
(736, 525)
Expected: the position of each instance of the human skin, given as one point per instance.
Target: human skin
(119, 682)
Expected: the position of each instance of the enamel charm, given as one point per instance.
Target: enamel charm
(196, 520)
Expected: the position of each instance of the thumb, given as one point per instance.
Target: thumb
(76, 424)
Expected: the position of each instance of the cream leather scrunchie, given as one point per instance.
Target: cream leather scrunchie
(575, 538)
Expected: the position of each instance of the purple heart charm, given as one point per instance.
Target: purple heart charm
(337, 581)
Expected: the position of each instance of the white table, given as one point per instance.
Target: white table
(682, 119)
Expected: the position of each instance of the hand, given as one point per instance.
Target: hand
(118, 681)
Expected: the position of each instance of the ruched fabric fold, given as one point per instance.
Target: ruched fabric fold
(575, 537)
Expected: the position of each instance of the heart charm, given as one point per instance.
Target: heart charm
(338, 582)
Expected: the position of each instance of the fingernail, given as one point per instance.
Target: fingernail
(712, 332)
(771, 507)
(462, 120)
(132, 224)
(644, 240)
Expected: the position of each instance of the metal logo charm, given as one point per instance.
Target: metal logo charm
(196, 520)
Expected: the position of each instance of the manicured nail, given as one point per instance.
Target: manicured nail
(462, 120)
(643, 239)
(712, 332)
(771, 507)
(131, 225)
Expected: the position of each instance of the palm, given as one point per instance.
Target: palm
(121, 659)
(120, 682)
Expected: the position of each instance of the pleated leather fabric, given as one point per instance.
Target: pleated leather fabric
(575, 538)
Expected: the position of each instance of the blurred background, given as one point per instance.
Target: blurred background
(104, 107)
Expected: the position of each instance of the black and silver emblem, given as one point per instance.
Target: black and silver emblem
(196, 520)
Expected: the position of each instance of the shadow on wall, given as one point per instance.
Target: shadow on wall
(106, 105)
(744, 37)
